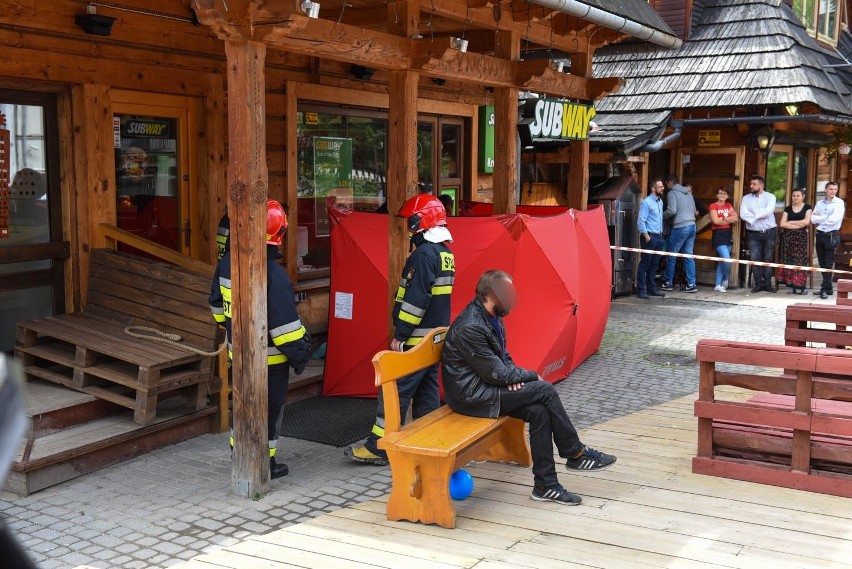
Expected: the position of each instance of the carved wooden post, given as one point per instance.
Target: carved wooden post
(506, 157)
(578, 153)
(402, 169)
(247, 195)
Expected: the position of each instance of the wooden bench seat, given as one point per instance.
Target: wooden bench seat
(90, 351)
(424, 453)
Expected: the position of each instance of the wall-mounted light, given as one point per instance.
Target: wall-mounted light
(792, 109)
(762, 139)
(93, 23)
(360, 72)
(459, 44)
(311, 9)
(557, 65)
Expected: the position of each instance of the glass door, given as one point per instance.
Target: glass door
(441, 158)
(31, 245)
(152, 170)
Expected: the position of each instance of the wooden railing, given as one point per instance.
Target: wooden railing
(113, 235)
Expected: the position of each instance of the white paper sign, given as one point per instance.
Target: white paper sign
(343, 305)
(116, 132)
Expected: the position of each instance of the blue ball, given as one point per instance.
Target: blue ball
(461, 484)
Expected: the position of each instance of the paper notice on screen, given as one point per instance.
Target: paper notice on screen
(343, 305)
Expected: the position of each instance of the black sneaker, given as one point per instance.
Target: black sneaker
(666, 286)
(690, 288)
(556, 494)
(591, 459)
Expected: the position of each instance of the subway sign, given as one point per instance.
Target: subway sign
(146, 128)
(555, 119)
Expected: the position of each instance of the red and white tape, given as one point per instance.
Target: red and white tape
(732, 261)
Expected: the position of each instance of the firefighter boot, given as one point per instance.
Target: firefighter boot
(368, 453)
(277, 470)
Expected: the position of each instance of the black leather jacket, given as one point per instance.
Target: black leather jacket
(475, 367)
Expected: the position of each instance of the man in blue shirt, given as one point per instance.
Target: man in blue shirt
(650, 238)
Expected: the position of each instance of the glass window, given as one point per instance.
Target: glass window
(27, 219)
(426, 153)
(806, 10)
(451, 150)
(777, 175)
(342, 163)
(146, 177)
(827, 20)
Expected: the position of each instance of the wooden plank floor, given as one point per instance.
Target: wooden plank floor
(648, 510)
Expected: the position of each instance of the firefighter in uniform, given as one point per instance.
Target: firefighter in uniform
(422, 303)
(223, 236)
(288, 343)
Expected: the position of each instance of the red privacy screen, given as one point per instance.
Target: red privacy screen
(561, 265)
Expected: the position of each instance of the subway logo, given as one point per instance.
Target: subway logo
(557, 119)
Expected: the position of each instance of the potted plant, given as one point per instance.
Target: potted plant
(842, 142)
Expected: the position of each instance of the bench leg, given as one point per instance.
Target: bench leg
(146, 402)
(512, 446)
(197, 396)
(25, 338)
(420, 491)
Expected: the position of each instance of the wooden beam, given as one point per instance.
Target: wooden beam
(340, 42)
(402, 168)
(403, 18)
(292, 145)
(505, 150)
(578, 150)
(247, 195)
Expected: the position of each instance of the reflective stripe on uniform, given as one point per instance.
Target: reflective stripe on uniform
(287, 333)
(411, 309)
(438, 290)
(410, 318)
(440, 281)
(413, 341)
(273, 446)
(378, 431)
(218, 313)
(225, 282)
(273, 356)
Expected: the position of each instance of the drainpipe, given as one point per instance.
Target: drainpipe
(612, 21)
(663, 142)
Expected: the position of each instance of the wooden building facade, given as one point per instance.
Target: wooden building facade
(139, 121)
(747, 70)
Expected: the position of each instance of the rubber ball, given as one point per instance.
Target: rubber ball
(461, 484)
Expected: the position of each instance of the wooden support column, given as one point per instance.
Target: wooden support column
(402, 168)
(578, 150)
(292, 143)
(247, 195)
(506, 155)
(94, 170)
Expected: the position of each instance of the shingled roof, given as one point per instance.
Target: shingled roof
(741, 53)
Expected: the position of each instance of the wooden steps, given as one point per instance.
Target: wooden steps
(75, 433)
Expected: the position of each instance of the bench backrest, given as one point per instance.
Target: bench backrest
(391, 366)
(799, 329)
(142, 292)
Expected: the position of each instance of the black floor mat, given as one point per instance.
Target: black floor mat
(335, 421)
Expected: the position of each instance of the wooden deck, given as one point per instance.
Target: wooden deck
(649, 510)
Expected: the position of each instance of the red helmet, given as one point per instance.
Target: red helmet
(422, 212)
(276, 223)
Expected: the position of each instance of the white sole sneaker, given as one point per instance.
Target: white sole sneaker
(719, 288)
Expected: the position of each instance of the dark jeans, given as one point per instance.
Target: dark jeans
(826, 243)
(538, 404)
(420, 389)
(761, 247)
(648, 262)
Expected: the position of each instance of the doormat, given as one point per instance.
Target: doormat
(335, 421)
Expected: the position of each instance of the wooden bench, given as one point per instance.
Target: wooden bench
(843, 288)
(90, 352)
(424, 453)
(802, 442)
(801, 318)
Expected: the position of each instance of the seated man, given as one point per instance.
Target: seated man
(481, 380)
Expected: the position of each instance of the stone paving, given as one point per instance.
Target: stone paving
(174, 503)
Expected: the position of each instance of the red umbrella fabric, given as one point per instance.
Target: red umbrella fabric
(557, 264)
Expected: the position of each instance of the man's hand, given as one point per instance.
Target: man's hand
(515, 386)
(396, 345)
(646, 237)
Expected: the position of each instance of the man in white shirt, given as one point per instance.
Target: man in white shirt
(757, 209)
(827, 217)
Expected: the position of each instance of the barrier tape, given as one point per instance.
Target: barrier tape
(732, 261)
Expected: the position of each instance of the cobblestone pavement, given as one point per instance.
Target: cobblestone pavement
(174, 503)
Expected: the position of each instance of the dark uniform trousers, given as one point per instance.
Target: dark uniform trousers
(826, 244)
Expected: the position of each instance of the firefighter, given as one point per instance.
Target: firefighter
(422, 303)
(223, 235)
(288, 343)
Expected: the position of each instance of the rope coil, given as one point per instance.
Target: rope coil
(154, 335)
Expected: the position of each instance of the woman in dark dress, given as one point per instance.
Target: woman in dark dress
(793, 247)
